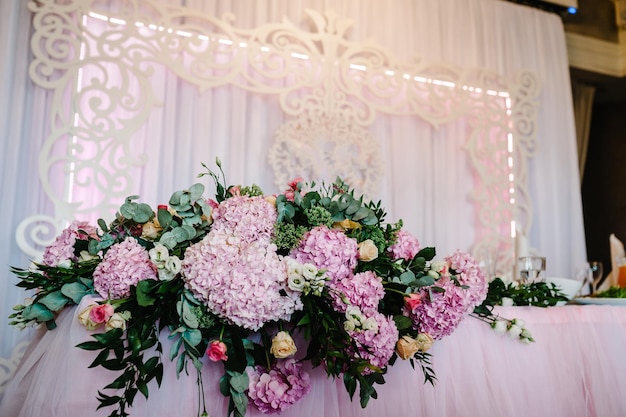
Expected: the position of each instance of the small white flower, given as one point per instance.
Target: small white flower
(507, 302)
(173, 264)
(433, 274)
(349, 325)
(519, 322)
(515, 331)
(309, 271)
(295, 282)
(499, 326)
(293, 267)
(158, 254)
(370, 324)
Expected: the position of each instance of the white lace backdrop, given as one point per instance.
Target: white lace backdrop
(428, 160)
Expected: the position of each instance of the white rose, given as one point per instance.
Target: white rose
(349, 325)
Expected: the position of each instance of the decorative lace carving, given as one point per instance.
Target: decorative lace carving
(335, 86)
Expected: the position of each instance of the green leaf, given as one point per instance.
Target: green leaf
(239, 381)
(144, 299)
(168, 240)
(350, 383)
(164, 217)
(224, 385)
(407, 277)
(55, 301)
(175, 348)
(427, 253)
(241, 402)
(37, 312)
(362, 213)
(90, 345)
(402, 322)
(196, 191)
(192, 336)
(188, 315)
(424, 281)
(142, 387)
(75, 291)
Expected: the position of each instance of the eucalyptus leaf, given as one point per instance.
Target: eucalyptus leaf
(55, 301)
(75, 291)
(38, 312)
(239, 381)
(188, 315)
(196, 191)
(407, 277)
(164, 217)
(168, 240)
(192, 336)
(241, 402)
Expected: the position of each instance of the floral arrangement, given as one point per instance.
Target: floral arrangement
(239, 278)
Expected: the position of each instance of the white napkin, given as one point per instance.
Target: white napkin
(617, 250)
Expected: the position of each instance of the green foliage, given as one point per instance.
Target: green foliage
(56, 288)
(538, 294)
(612, 292)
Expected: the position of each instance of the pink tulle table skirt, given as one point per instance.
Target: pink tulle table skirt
(577, 367)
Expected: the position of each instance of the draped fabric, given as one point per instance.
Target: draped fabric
(427, 180)
(583, 106)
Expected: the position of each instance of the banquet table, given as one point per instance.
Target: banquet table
(576, 367)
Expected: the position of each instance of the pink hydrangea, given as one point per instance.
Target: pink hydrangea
(249, 218)
(328, 249)
(239, 281)
(62, 249)
(364, 290)
(275, 391)
(406, 246)
(440, 313)
(124, 265)
(470, 274)
(376, 346)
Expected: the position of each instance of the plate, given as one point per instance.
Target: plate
(601, 301)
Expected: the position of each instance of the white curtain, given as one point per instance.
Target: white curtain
(426, 177)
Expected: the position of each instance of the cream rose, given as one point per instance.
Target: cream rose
(424, 342)
(406, 347)
(367, 251)
(85, 320)
(151, 229)
(117, 321)
(283, 345)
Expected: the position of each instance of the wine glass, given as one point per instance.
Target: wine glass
(531, 268)
(597, 273)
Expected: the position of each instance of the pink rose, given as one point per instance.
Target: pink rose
(101, 313)
(217, 351)
(412, 301)
(293, 184)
